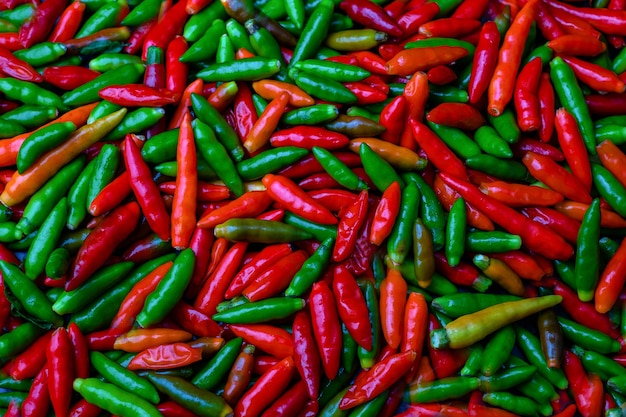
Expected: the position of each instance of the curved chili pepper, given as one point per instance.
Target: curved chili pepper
(411, 60)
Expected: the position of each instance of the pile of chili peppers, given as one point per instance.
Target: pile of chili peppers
(312, 207)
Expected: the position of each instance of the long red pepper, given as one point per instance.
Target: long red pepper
(14, 67)
(438, 153)
(326, 327)
(273, 340)
(275, 278)
(37, 402)
(305, 354)
(37, 27)
(393, 291)
(81, 351)
(184, 204)
(29, 363)
(163, 32)
(534, 235)
(68, 23)
(60, 371)
(176, 71)
(349, 225)
(352, 307)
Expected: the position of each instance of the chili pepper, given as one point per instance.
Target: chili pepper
(500, 273)
(587, 252)
(398, 245)
(519, 195)
(531, 347)
(140, 339)
(239, 375)
(32, 360)
(608, 187)
(306, 356)
(218, 367)
(326, 327)
(551, 338)
(419, 59)
(60, 370)
(588, 338)
(515, 403)
(441, 389)
(168, 356)
(469, 328)
(110, 397)
(37, 401)
(510, 221)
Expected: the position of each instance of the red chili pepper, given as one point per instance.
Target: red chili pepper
(349, 225)
(172, 409)
(266, 389)
(81, 351)
(163, 32)
(213, 290)
(290, 403)
(370, 61)
(323, 180)
(365, 93)
(101, 242)
(167, 356)
(502, 83)
(525, 99)
(535, 236)
(545, 95)
(447, 196)
(184, 203)
(521, 263)
(438, 152)
(520, 195)
(176, 71)
(445, 362)
(326, 327)
(391, 116)
(305, 355)
(134, 300)
(449, 27)
(441, 75)
(37, 27)
(111, 196)
(351, 307)
(540, 148)
(60, 371)
(573, 25)
(370, 15)
(385, 215)
(550, 28)
(595, 76)
(68, 23)
(573, 147)
(10, 41)
(260, 263)
(14, 67)
(585, 313)
(272, 340)
(560, 223)
(477, 408)
(410, 21)
(393, 290)
(205, 191)
(136, 95)
(462, 274)
(361, 258)
(588, 390)
(577, 45)
(84, 409)
(37, 402)
(308, 137)
(102, 340)
(459, 115)
(195, 322)
(275, 278)
(28, 363)
(310, 165)
(243, 108)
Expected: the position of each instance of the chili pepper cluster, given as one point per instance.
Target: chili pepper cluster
(312, 207)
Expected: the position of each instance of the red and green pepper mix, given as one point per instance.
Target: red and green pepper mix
(312, 207)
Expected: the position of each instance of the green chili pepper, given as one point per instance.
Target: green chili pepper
(380, 171)
(9, 383)
(489, 141)
(536, 386)
(161, 147)
(18, 339)
(9, 128)
(517, 404)
(246, 69)
(123, 378)
(332, 70)
(331, 408)
(46, 240)
(501, 168)
(311, 269)
(355, 126)
(497, 350)
(205, 48)
(339, 171)
(506, 125)
(492, 241)
(143, 12)
(105, 17)
(399, 241)
(219, 366)
(322, 88)
(169, 291)
(319, 232)
(114, 399)
(261, 311)
(460, 304)
(506, 379)
(217, 157)
(542, 51)
(88, 92)
(456, 139)
(588, 252)
(588, 338)
(348, 350)
(431, 210)
(30, 93)
(455, 232)
(103, 279)
(262, 231)
(107, 163)
(447, 94)
(571, 97)
(617, 384)
(42, 53)
(609, 188)
(269, 161)
(136, 121)
(41, 141)
(197, 24)
(103, 108)
(205, 172)
(225, 50)
(6, 398)
(439, 284)
(474, 360)
(77, 197)
(361, 112)
(73, 240)
(259, 104)
(43, 201)
(224, 132)
(367, 358)
(330, 388)
(262, 41)
(311, 115)
(441, 389)
(31, 117)
(100, 312)
(28, 295)
(19, 14)
(314, 32)
(599, 364)
(531, 347)
(9, 232)
(58, 263)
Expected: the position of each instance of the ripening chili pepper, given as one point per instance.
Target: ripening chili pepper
(519, 195)
(137, 340)
(501, 85)
(262, 129)
(470, 328)
(500, 273)
(577, 45)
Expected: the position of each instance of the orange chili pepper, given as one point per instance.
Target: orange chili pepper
(184, 203)
(520, 195)
(266, 123)
(22, 186)
(611, 281)
(577, 45)
(398, 156)
(576, 210)
(223, 95)
(194, 88)
(412, 60)
(500, 273)
(271, 89)
(613, 159)
(140, 339)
